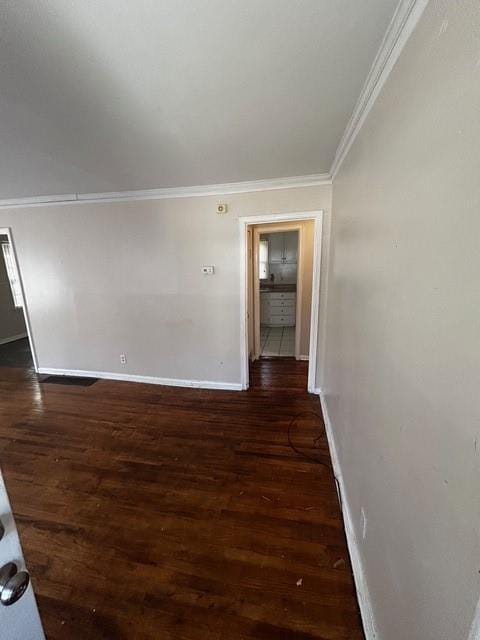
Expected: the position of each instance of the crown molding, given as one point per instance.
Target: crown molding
(314, 180)
(31, 201)
(401, 27)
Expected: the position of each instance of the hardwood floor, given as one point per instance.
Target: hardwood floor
(152, 512)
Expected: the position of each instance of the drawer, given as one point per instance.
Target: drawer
(282, 311)
(282, 303)
(288, 295)
(281, 321)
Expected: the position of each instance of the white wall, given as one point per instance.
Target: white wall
(12, 322)
(110, 278)
(403, 349)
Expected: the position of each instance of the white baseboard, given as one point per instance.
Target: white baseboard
(301, 357)
(361, 587)
(169, 382)
(13, 338)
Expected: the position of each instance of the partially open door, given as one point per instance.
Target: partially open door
(19, 618)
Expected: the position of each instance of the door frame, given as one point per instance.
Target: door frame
(282, 227)
(7, 231)
(244, 223)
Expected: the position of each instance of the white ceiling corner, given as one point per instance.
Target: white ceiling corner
(151, 97)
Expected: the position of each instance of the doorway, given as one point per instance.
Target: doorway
(280, 282)
(278, 274)
(16, 346)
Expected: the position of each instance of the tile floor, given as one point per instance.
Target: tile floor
(277, 341)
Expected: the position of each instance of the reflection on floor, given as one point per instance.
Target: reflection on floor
(180, 514)
(16, 354)
(277, 341)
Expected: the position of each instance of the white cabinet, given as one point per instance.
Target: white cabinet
(278, 309)
(290, 248)
(275, 248)
(283, 247)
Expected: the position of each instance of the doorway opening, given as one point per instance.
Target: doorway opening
(278, 273)
(16, 346)
(280, 282)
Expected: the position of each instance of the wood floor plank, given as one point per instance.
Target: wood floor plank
(152, 512)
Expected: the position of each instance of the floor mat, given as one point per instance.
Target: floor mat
(76, 381)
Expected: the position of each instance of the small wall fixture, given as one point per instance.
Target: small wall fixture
(222, 208)
(208, 270)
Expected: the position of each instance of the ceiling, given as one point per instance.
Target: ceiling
(113, 95)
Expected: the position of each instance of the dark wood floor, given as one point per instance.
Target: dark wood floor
(153, 513)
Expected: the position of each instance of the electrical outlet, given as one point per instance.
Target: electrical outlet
(123, 358)
(363, 524)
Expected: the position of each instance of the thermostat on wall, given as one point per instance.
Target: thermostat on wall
(208, 271)
(222, 208)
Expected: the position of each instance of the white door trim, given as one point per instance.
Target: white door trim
(244, 222)
(6, 231)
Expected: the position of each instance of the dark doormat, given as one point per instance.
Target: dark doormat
(76, 381)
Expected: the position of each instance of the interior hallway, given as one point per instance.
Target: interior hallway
(154, 512)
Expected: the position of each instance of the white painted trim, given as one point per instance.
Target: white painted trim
(12, 203)
(8, 232)
(314, 180)
(315, 310)
(317, 217)
(299, 292)
(167, 382)
(19, 336)
(302, 358)
(324, 288)
(401, 27)
(279, 217)
(244, 346)
(361, 586)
